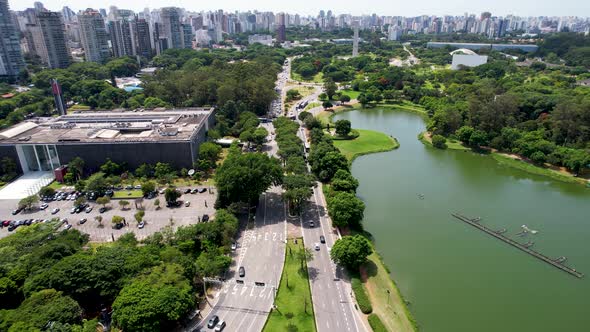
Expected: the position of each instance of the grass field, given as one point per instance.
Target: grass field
(293, 293)
(317, 78)
(533, 169)
(369, 141)
(451, 143)
(127, 194)
(351, 93)
(386, 300)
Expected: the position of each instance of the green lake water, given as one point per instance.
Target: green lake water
(456, 277)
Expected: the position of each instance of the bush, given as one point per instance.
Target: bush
(439, 142)
(376, 323)
(361, 296)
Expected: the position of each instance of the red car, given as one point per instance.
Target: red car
(6, 223)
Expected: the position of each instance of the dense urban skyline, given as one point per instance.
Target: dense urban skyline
(381, 7)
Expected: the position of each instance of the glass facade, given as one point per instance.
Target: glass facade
(36, 158)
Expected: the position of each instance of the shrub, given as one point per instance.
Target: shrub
(376, 323)
(361, 296)
(439, 142)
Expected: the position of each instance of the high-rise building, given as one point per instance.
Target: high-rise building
(355, 39)
(11, 59)
(120, 31)
(39, 6)
(50, 39)
(142, 34)
(394, 32)
(281, 35)
(94, 36)
(186, 32)
(170, 27)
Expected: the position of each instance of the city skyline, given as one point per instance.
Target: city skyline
(380, 7)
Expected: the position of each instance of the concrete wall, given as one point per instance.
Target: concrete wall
(468, 60)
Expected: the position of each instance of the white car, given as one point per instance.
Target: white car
(54, 211)
(141, 225)
(68, 226)
(43, 206)
(234, 246)
(317, 246)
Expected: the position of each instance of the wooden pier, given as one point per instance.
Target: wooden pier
(554, 262)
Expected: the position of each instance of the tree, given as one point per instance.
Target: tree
(104, 200)
(148, 187)
(123, 204)
(344, 98)
(76, 166)
(99, 220)
(327, 104)
(209, 154)
(330, 163)
(351, 251)
(153, 302)
(464, 133)
(439, 142)
(305, 255)
(304, 115)
(139, 216)
(297, 190)
(343, 128)
(79, 201)
(144, 171)
(45, 306)
(96, 183)
(46, 191)
(346, 209)
(293, 94)
(478, 138)
(117, 220)
(171, 195)
(259, 136)
(344, 181)
(244, 176)
(28, 202)
(163, 169)
(110, 168)
(330, 88)
(212, 263)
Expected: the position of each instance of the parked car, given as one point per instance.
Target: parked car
(187, 191)
(242, 272)
(311, 223)
(118, 225)
(16, 211)
(194, 191)
(202, 190)
(138, 186)
(128, 187)
(220, 326)
(82, 221)
(234, 246)
(88, 209)
(43, 206)
(73, 210)
(11, 228)
(102, 210)
(68, 226)
(6, 223)
(141, 225)
(187, 203)
(317, 246)
(205, 218)
(322, 239)
(54, 211)
(28, 222)
(213, 321)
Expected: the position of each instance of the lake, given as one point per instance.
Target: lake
(456, 277)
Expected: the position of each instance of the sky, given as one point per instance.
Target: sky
(579, 8)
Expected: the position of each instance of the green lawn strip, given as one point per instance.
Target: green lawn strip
(312, 105)
(376, 323)
(317, 78)
(386, 298)
(294, 292)
(533, 169)
(368, 141)
(451, 144)
(351, 93)
(123, 194)
(360, 294)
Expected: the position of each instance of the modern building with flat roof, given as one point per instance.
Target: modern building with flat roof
(479, 46)
(131, 137)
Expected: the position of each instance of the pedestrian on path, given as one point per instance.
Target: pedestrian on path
(206, 204)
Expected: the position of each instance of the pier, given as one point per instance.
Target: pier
(554, 262)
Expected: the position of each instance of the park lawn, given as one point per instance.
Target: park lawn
(351, 93)
(452, 144)
(317, 78)
(385, 298)
(369, 141)
(312, 105)
(533, 169)
(122, 194)
(290, 299)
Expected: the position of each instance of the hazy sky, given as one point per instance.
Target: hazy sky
(355, 7)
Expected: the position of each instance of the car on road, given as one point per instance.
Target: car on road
(54, 211)
(242, 272)
(43, 206)
(317, 246)
(234, 246)
(68, 226)
(88, 209)
(102, 210)
(141, 225)
(187, 204)
(213, 321)
(82, 221)
(311, 223)
(187, 191)
(220, 326)
(322, 239)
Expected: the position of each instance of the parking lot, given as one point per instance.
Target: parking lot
(155, 219)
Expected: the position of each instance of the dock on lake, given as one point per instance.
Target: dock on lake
(558, 263)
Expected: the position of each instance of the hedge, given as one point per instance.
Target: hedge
(376, 323)
(361, 296)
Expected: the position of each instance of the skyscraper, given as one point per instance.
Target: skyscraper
(120, 31)
(281, 35)
(11, 59)
(142, 33)
(50, 41)
(186, 32)
(94, 36)
(169, 28)
(355, 39)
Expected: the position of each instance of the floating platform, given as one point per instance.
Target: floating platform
(553, 262)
